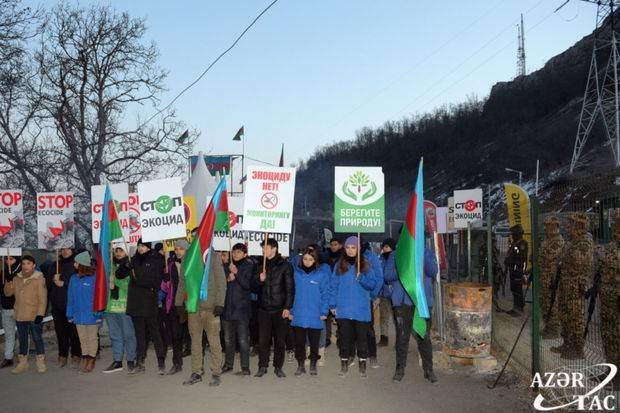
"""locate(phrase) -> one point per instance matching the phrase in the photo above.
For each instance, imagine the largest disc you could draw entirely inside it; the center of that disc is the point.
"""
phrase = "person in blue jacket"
(403, 309)
(385, 299)
(350, 294)
(377, 270)
(310, 308)
(80, 299)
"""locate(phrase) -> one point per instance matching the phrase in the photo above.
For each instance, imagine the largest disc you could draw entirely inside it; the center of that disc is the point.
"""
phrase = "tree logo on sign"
(163, 204)
(359, 187)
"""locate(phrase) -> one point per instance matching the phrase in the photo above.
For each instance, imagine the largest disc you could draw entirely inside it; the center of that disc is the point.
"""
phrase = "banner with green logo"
(162, 214)
(359, 199)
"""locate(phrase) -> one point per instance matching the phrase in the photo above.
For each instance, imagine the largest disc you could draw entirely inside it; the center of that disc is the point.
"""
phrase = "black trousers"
(403, 315)
(236, 332)
(372, 338)
(271, 324)
(66, 335)
(516, 287)
(314, 336)
(142, 325)
(172, 334)
(353, 334)
(290, 340)
(254, 323)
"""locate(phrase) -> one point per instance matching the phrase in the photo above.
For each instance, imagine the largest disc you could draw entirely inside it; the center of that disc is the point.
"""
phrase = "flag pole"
(359, 253)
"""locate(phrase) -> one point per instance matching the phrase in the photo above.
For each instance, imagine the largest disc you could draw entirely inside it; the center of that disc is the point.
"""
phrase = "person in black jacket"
(276, 290)
(516, 264)
(236, 317)
(57, 288)
(12, 265)
(146, 277)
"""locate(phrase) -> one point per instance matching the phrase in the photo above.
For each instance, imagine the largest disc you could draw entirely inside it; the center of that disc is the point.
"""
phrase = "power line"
(211, 65)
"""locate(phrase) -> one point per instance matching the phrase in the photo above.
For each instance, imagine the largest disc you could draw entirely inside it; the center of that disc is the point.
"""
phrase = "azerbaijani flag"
(110, 230)
(410, 256)
(198, 258)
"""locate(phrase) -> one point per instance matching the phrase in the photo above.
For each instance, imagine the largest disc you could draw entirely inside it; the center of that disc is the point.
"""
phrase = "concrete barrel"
(467, 309)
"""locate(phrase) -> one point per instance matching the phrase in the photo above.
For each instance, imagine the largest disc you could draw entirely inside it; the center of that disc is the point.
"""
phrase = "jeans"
(271, 324)
(66, 334)
(313, 335)
(236, 331)
(122, 336)
(403, 315)
(141, 325)
(172, 334)
(352, 334)
(36, 330)
(8, 323)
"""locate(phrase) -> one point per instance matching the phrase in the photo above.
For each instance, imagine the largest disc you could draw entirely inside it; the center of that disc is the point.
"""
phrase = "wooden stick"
(359, 253)
(264, 256)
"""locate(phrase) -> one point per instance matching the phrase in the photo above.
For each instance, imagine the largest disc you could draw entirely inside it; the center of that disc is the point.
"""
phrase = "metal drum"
(467, 308)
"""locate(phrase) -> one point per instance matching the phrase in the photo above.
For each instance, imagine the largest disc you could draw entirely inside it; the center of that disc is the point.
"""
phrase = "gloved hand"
(218, 311)
(38, 319)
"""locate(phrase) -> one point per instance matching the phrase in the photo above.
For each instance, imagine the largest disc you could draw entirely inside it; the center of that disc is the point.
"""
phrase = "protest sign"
(162, 214)
(11, 218)
(120, 195)
(359, 201)
(55, 220)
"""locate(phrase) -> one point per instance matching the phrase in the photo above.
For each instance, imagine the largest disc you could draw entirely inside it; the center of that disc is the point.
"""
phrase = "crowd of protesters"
(267, 305)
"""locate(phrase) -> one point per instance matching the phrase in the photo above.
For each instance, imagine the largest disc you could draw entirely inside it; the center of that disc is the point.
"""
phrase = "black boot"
(161, 365)
(362, 368)
(261, 372)
(193, 379)
(215, 381)
(383, 342)
(430, 376)
(344, 367)
(300, 368)
(313, 371)
(399, 373)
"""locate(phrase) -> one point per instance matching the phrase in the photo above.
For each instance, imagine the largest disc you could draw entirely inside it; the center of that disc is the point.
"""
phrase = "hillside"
(469, 144)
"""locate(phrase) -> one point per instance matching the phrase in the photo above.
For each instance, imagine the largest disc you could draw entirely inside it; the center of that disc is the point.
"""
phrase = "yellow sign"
(518, 204)
(189, 203)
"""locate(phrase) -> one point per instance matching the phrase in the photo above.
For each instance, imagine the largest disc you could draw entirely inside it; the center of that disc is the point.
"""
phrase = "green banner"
(359, 199)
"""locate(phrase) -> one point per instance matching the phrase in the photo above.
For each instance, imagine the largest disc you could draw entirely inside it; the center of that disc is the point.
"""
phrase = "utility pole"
(601, 95)
(521, 70)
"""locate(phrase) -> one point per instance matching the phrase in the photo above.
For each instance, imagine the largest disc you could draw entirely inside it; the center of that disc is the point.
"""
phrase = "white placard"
(162, 215)
(134, 219)
(442, 220)
(55, 220)
(468, 208)
(120, 193)
(269, 198)
(11, 218)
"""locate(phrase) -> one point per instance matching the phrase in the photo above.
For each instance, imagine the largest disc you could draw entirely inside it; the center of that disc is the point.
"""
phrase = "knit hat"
(146, 244)
(83, 259)
(352, 240)
(181, 243)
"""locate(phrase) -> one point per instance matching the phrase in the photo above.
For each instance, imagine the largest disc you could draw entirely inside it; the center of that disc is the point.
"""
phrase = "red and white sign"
(120, 195)
(430, 217)
(269, 196)
(467, 208)
(55, 220)
(134, 219)
(11, 218)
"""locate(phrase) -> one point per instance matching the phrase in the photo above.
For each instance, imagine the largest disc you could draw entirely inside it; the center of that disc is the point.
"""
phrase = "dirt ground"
(66, 390)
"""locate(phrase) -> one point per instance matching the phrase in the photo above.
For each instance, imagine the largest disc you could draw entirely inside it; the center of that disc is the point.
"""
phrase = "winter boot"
(40, 362)
(321, 362)
(301, 369)
(91, 365)
(313, 371)
(75, 362)
(362, 368)
(22, 365)
(399, 373)
(430, 376)
(383, 342)
(344, 367)
(62, 361)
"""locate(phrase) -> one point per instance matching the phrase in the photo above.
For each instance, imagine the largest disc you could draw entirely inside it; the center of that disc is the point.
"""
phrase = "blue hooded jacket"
(311, 297)
(377, 272)
(80, 299)
(351, 296)
(399, 295)
(389, 273)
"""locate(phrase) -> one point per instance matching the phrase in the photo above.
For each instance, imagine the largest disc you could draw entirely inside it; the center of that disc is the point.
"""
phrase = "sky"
(311, 73)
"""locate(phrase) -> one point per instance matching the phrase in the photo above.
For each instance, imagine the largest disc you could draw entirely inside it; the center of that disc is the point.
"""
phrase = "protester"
(147, 273)
(350, 294)
(332, 255)
(11, 267)
(120, 326)
(207, 319)
(57, 286)
(403, 314)
(374, 303)
(236, 316)
(276, 290)
(310, 308)
(28, 287)
(173, 309)
(385, 303)
(80, 299)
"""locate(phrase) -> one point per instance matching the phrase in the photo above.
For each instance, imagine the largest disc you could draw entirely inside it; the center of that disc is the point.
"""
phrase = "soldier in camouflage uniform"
(610, 295)
(576, 270)
(549, 260)
(516, 263)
